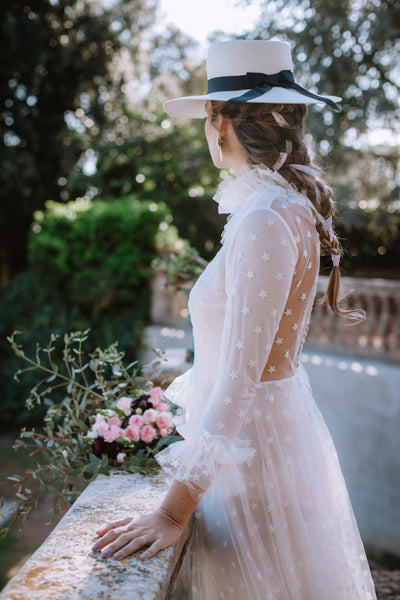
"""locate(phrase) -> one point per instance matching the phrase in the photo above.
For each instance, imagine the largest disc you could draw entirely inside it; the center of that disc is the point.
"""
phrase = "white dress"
(274, 521)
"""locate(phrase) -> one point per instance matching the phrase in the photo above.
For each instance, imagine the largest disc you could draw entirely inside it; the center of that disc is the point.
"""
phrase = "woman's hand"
(121, 538)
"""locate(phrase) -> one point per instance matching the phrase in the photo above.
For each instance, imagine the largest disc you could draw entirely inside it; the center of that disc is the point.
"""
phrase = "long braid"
(272, 134)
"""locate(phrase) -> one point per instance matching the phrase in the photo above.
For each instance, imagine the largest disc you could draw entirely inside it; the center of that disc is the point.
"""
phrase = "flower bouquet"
(131, 425)
(100, 415)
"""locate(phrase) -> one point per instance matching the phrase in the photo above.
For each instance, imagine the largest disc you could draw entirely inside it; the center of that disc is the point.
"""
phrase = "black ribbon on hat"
(259, 83)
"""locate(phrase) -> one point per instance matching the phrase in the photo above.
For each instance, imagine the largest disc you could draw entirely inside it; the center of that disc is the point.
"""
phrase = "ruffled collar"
(233, 190)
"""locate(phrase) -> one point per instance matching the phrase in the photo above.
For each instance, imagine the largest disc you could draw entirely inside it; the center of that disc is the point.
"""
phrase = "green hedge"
(90, 268)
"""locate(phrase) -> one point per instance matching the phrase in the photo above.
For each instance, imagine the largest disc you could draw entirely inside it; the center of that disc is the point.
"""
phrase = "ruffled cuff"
(201, 457)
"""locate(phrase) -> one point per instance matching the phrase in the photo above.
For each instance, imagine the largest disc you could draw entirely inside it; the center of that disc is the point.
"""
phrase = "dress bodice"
(256, 295)
(250, 311)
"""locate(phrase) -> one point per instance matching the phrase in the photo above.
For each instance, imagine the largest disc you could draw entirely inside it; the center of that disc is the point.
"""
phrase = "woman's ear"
(222, 124)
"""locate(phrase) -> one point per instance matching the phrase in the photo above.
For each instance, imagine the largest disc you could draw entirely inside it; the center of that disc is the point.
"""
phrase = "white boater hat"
(248, 71)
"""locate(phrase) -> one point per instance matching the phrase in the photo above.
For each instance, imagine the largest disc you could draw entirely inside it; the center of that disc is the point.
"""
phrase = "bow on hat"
(260, 83)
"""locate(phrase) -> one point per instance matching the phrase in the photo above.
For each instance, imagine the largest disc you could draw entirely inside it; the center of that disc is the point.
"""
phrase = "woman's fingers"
(152, 551)
(125, 545)
(111, 535)
(113, 525)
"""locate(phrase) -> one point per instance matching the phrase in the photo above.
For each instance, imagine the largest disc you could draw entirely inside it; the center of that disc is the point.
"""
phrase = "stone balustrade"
(376, 337)
(64, 568)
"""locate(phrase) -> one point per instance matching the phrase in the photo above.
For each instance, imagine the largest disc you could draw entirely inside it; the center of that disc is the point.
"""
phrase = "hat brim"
(194, 107)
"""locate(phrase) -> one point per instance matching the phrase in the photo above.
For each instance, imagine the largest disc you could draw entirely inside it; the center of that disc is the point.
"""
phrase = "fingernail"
(143, 556)
(105, 554)
(95, 548)
(118, 555)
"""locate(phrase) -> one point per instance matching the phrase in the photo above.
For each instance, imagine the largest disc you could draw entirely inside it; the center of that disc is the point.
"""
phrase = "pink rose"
(164, 432)
(114, 433)
(162, 406)
(155, 394)
(150, 415)
(120, 457)
(100, 418)
(124, 404)
(114, 421)
(101, 427)
(132, 433)
(148, 434)
(164, 420)
(136, 421)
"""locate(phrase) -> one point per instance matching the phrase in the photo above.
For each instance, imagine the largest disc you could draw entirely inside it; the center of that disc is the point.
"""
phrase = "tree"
(56, 85)
(351, 49)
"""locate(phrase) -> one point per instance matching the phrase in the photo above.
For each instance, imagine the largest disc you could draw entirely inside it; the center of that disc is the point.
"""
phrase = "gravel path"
(387, 583)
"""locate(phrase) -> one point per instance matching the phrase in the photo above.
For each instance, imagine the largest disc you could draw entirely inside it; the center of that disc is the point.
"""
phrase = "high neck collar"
(233, 190)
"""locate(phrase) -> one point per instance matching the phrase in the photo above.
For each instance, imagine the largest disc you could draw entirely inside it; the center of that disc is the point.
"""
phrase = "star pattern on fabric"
(251, 307)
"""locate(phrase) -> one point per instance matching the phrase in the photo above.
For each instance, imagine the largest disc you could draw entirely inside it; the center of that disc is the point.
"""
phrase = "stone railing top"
(364, 285)
(64, 568)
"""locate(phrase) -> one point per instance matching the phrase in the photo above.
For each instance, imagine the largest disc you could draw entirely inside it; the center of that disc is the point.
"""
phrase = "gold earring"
(219, 146)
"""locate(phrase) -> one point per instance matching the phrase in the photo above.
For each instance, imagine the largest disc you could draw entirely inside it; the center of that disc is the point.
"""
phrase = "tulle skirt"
(289, 532)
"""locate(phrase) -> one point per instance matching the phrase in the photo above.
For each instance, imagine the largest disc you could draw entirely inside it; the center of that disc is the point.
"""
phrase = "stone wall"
(64, 568)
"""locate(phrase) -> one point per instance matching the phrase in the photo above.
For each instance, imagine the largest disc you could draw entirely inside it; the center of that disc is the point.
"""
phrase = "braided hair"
(272, 134)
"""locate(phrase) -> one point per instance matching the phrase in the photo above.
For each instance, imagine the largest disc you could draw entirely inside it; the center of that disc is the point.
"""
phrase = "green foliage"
(90, 382)
(91, 264)
(56, 84)
(350, 49)
(160, 159)
(97, 254)
(181, 267)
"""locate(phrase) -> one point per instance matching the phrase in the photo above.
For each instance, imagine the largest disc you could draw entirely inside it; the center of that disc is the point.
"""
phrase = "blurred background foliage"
(92, 169)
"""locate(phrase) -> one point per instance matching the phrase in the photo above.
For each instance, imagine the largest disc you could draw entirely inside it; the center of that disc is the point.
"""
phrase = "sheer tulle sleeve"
(260, 263)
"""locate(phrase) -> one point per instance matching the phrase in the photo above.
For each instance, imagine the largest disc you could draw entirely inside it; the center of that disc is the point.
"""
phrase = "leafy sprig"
(74, 385)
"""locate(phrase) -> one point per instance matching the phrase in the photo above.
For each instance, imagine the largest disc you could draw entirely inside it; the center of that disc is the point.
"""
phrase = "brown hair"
(267, 130)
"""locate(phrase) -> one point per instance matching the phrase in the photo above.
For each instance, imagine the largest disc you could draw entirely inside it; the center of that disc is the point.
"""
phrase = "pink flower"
(136, 421)
(120, 457)
(148, 434)
(150, 415)
(114, 433)
(100, 418)
(164, 420)
(164, 432)
(124, 404)
(132, 433)
(114, 421)
(155, 395)
(101, 427)
(162, 406)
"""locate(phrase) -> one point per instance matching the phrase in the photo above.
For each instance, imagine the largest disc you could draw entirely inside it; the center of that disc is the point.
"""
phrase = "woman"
(273, 517)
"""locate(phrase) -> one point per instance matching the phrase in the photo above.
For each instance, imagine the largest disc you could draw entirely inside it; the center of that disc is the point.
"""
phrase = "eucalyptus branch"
(69, 450)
